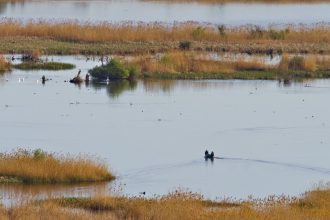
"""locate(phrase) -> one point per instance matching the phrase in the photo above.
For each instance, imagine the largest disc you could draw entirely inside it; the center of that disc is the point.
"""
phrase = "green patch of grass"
(114, 70)
(44, 66)
(244, 75)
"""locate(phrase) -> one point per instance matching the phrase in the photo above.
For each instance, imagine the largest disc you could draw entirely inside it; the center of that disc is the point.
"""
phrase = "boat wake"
(284, 164)
(151, 170)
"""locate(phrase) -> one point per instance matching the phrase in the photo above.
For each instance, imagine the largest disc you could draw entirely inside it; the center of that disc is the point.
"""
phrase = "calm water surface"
(273, 138)
(149, 11)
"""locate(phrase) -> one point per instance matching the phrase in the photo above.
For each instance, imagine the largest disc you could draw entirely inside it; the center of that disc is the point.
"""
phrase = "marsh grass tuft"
(44, 66)
(41, 167)
(114, 70)
(4, 65)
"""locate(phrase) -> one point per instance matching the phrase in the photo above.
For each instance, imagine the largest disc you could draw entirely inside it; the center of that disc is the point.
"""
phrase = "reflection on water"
(114, 88)
(152, 11)
(158, 86)
(16, 193)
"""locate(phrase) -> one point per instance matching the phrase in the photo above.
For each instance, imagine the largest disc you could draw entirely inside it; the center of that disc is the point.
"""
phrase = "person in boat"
(209, 155)
(43, 79)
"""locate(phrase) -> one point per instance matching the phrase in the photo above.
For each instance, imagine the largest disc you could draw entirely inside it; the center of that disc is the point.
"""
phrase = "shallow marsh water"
(151, 11)
(273, 138)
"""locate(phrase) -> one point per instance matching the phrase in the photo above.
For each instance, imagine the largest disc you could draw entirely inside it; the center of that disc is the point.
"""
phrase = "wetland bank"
(184, 67)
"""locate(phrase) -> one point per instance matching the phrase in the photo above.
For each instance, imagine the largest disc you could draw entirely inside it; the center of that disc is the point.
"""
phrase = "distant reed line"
(157, 32)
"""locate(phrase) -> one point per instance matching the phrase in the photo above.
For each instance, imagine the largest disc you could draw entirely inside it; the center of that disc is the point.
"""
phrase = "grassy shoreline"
(144, 38)
(177, 205)
(4, 65)
(38, 167)
(189, 65)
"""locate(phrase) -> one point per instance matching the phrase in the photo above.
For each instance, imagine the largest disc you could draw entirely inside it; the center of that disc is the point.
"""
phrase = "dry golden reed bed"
(24, 166)
(315, 205)
(70, 37)
(190, 62)
(89, 32)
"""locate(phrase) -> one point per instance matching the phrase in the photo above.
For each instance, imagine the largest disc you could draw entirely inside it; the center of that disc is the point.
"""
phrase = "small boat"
(209, 155)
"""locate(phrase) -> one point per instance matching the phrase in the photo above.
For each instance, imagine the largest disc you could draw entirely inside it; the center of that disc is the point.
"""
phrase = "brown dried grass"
(39, 167)
(140, 32)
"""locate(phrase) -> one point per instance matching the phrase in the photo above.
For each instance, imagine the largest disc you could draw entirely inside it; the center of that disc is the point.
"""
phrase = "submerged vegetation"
(177, 205)
(138, 38)
(44, 66)
(37, 166)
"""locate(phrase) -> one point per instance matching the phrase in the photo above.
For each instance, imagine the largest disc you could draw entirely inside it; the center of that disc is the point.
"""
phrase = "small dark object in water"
(143, 193)
(77, 79)
(43, 79)
(209, 156)
(87, 78)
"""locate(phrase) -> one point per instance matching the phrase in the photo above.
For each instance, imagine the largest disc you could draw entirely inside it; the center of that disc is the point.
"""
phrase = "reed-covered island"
(144, 38)
(39, 167)
(178, 205)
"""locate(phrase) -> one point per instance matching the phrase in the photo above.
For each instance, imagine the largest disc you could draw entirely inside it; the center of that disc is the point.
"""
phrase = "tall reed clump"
(4, 65)
(300, 63)
(39, 167)
(323, 63)
(114, 70)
